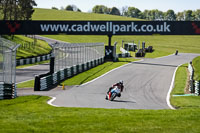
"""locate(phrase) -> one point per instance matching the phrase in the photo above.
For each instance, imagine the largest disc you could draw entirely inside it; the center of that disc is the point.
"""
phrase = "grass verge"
(183, 102)
(196, 65)
(28, 65)
(26, 84)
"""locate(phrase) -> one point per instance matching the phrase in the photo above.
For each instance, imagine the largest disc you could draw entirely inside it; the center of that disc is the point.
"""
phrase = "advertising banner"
(100, 27)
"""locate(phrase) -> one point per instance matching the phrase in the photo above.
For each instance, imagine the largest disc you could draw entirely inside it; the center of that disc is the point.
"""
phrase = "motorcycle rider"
(119, 86)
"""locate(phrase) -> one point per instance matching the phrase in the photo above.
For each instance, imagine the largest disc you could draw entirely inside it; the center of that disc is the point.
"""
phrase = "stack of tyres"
(140, 53)
(149, 49)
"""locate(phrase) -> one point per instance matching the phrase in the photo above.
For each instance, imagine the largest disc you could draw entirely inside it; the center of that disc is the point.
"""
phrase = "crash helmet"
(121, 81)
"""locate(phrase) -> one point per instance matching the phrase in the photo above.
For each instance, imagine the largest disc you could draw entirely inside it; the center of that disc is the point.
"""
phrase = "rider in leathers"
(119, 85)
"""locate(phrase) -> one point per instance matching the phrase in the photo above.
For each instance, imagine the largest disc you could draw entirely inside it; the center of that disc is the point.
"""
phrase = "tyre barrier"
(49, 81)
(197, 88)
(194, 86)
(140, 53)
(33, 60)
(7, 91)
(149, 49)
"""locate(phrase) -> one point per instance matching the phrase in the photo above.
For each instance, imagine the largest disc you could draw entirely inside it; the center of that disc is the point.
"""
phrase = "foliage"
(133, 12)
(115, 11)
(55, 8)
(72, 8)
(48, 14)
(17, 9)
(170, 15)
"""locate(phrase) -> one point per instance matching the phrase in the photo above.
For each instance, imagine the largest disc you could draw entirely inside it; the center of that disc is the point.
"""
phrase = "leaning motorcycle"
(114, 93)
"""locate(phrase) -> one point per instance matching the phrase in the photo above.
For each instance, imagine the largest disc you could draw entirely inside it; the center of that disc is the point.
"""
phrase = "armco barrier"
(48, 81)
(33, 60)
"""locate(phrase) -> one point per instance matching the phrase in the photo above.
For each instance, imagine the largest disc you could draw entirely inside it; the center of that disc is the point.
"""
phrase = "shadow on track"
(123, 101)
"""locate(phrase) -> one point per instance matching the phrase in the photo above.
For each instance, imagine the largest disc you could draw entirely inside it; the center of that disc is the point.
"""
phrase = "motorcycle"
(113, 93)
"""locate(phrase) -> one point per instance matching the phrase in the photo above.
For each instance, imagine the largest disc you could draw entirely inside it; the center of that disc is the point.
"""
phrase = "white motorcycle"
(113, 93)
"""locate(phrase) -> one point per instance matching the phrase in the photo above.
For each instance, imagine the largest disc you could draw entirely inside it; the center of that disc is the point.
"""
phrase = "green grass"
(181, 80)
(32, 114)
(196, 65)
(183, 102)
(41, 47)
(28, 65)
(49, 14)
(163, 45)
(27, 84)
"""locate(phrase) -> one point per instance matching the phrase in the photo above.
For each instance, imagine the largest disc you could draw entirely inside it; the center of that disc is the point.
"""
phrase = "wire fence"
(7, 61)
(70, 54)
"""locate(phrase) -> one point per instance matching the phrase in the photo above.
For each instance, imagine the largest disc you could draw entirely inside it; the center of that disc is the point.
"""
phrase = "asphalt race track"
(146, 83)
(29, 73)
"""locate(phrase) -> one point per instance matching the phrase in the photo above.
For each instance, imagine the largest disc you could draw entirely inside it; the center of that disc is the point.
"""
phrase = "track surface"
(146, 86)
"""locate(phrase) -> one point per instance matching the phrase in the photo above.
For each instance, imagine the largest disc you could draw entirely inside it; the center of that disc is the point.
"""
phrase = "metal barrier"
(49, 81)
(7, 69)
(70, 60)
(70, 54)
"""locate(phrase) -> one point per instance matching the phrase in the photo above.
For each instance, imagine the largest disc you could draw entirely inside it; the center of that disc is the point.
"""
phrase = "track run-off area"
(147, 86)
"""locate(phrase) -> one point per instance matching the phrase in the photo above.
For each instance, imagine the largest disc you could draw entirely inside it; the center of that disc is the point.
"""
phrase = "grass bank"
(196, 65)
(29, 50)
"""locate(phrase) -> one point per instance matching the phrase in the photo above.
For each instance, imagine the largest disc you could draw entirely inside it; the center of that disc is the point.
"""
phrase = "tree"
(170, 15)
(26, 8)
(101, 9)
(189, 15)
(180, 16)
(197, 15)
(124, 10)
(17, 9)
(72, 8)
(69, 8)
(133, 12)
(55, 8)
(115, 11)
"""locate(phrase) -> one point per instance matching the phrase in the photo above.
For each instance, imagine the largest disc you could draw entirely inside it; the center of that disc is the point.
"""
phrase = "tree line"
(153, 15)
(170, 15)
(16, 9)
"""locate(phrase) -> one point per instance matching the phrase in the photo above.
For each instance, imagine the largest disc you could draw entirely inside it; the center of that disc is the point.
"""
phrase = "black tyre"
(113, 96)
